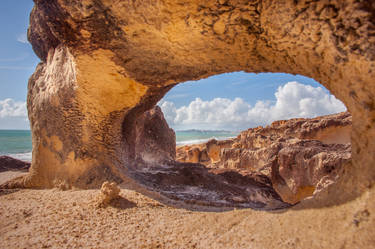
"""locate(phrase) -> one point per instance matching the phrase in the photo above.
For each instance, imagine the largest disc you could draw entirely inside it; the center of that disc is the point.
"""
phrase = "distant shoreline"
(17, 143)
(199, 141)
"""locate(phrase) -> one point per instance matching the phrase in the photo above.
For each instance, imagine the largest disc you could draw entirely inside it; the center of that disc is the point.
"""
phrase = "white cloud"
(22, 38)
(169, 111)
(292, 100)
(13, 114)
(11, 108)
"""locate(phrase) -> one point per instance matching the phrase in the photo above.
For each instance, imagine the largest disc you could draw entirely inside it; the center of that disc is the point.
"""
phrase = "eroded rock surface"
(156, 169)
(198, 185)
(104, 63)
(288, 152)
(155, 141)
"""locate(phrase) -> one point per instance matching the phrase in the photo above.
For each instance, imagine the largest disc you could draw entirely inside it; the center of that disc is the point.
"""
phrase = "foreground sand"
(70, 219)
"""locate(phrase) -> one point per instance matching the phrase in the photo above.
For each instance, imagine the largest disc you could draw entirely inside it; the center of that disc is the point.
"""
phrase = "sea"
(17, 143)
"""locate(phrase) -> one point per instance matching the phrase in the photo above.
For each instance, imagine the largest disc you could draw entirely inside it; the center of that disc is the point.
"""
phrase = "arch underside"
(104, 63)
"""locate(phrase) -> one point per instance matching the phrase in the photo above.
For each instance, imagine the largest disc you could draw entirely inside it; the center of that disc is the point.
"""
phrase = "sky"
(17, 63)
(231, 101)
(256, 106)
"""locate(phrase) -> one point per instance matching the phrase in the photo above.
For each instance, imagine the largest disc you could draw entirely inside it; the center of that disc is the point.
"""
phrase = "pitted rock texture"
(156, 169)
(329, 129)
(205, 153)
(306, 167)
(292, 165)
(287, 152)
(104, 63)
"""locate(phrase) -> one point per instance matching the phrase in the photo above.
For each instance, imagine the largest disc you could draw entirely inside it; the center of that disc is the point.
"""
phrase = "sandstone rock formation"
(108, 193)
(154, 166)
(288, 152)
(155, 141)
(218, 189)
(10, 163)
(104, 63)
(306, 167)
(329, 129)
(205, 153)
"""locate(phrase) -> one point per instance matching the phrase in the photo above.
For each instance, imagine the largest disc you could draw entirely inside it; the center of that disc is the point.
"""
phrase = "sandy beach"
(53, 218)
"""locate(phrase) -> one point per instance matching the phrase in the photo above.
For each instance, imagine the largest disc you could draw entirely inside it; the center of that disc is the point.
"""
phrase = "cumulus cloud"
(292, 100)
(13, 114)
(11, 108)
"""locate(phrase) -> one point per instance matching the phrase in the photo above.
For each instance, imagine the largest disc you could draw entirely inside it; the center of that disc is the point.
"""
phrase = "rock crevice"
(300, 157)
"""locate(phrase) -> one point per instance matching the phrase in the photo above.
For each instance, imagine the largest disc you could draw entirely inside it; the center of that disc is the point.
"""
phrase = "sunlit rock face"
(299, 156)
(104, 63)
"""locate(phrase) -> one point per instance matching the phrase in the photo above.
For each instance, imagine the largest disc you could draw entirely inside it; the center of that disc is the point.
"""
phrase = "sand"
(70, 219)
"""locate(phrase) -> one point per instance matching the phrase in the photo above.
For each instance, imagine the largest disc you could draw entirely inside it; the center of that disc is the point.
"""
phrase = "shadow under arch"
(99, 68)
(210, 188)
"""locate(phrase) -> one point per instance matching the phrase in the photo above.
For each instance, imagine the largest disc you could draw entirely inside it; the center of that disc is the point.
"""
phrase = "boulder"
(108, 193)
(306, 167)
(9, 163)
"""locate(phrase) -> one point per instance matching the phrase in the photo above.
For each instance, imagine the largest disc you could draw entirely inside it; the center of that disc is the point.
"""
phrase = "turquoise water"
(17, 143)
(199, 136)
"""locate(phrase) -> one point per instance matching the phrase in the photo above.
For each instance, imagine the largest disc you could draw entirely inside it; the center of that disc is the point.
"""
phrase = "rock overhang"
(104, 63)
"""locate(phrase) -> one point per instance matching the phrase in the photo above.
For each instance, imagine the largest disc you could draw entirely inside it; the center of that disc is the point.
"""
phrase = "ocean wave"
(22, 156)
(199, 141)
(27, 156)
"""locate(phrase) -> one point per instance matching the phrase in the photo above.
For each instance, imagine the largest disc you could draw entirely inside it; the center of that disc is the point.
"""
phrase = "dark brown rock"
(217, 188)
(155, 141)
(9, 163)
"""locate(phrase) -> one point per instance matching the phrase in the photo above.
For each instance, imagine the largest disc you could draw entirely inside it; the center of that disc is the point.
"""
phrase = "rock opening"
(99, 68)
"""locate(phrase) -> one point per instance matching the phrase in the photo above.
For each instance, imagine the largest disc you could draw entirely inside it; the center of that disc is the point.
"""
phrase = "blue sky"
(250, 87)
(17, 60)
(228, 101)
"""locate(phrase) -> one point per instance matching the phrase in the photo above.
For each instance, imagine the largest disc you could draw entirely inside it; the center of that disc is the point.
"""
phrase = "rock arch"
(104, 63)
